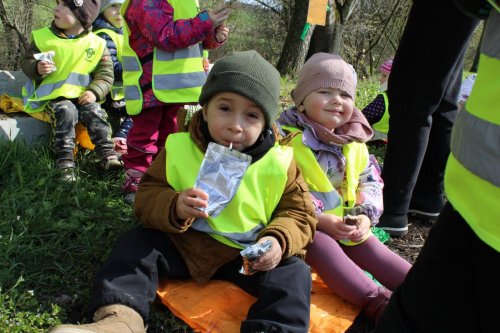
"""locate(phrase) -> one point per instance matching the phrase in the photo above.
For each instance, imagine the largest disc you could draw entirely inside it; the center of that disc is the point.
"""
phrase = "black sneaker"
(394, 224)
(426, 209)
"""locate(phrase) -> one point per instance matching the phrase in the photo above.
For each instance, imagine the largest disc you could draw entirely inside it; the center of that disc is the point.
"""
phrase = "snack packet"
(46, 56)
(252, 253)
(350, 219)
(220, 176)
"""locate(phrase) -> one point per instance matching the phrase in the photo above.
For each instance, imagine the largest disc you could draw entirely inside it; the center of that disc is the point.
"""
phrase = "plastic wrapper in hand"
(46, 56)
(252, 253)
(220, 176)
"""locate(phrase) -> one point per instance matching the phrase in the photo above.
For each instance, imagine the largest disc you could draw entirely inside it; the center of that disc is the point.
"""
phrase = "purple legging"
(342, 267)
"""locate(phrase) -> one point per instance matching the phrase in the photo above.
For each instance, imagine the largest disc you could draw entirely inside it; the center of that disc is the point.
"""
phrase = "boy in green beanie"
(179, 240)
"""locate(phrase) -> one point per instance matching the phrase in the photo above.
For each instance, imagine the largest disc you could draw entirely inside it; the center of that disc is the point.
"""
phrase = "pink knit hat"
(386, 66)
(324, 70)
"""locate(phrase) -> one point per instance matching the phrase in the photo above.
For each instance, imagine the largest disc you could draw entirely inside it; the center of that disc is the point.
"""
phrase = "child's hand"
(363, 225)
(218, 15)
(221, 33)
(44, 67)
(86, 98)
(271, 259)
(334, 226)
(188, 202)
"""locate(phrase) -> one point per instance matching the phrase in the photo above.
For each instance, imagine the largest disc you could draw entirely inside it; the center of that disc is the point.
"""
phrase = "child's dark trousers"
(142, 256)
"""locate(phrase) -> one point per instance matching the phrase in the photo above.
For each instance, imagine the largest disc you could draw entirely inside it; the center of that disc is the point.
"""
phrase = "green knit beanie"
(248, 74)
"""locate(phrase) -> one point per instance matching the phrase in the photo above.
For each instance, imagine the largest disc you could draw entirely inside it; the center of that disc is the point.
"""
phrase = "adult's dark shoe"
(394, 224)
(426, 209)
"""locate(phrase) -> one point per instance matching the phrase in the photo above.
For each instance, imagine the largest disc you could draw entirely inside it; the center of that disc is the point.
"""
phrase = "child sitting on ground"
(70, 85)
(377, 112)
(108, 26)
(328, 135)
(179, 240)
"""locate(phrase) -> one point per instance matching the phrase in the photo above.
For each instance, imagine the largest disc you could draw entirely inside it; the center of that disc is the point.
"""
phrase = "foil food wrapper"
(46, 56)
(252, 253)
(220, 176)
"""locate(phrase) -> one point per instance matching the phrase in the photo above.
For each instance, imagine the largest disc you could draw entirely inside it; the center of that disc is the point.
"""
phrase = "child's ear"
(301, 108)
(204, 112)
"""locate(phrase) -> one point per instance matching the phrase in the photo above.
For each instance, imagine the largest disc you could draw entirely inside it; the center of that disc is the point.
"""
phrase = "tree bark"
(328, 39)
(20, 25)
(294, 48)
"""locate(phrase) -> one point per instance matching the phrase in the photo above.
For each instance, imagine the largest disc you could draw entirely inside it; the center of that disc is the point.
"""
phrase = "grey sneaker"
(128, 198)
(112, 163)
(68, 175)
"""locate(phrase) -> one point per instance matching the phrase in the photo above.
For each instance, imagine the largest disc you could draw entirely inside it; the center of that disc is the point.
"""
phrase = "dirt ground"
(407, 246)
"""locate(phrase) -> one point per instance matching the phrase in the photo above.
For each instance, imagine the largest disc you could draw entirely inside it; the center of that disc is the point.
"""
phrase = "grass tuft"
(54, 236)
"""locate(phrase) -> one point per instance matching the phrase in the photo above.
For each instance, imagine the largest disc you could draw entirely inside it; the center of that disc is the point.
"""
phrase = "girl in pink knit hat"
(328, 135)
(377, 112)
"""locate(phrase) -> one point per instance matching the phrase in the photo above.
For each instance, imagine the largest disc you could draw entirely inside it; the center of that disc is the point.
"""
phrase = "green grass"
(54, 236)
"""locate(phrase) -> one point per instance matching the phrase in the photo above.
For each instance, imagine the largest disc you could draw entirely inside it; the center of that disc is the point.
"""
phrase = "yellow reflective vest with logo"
(356, 155)
(177, 76)
(381, 128)
(75, 60)
(117, 89)
(472, 178)
(258, 195)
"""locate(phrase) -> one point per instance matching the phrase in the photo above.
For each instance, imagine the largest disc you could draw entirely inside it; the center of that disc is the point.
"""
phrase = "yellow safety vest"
(177, 76)
(117, 89)
(381, 128)
(251, 209)
(75, 60)
(472, 181)
(356, 155)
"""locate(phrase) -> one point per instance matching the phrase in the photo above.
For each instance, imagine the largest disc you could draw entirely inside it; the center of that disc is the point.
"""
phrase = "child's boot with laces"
(376, 306)
(129, 187)
(115, 318)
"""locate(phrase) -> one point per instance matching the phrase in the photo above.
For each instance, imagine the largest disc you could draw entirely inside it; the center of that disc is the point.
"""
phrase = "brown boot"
(115, 318)
(376, 306)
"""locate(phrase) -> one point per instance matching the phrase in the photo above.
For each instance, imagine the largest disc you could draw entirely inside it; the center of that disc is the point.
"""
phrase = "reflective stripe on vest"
(75, 60)
(177, 76)
(356, 155)
(319, 185)
(472, 181)
(381, 128)
(117, 89)
(255, 200)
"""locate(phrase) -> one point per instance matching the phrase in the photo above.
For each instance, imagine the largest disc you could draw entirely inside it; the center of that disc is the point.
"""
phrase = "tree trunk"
(475, 62)
(17, 28)
(294, 48)
(328, 39)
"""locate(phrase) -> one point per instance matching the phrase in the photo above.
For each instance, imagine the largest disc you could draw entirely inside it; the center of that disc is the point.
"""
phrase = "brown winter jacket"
(102, 76)
(293, 222)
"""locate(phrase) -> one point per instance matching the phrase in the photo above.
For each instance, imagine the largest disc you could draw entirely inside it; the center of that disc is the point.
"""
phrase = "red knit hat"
(386, 66)
(85, 11)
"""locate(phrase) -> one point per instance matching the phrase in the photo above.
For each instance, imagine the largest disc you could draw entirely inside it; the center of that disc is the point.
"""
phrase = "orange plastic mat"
(220, 306)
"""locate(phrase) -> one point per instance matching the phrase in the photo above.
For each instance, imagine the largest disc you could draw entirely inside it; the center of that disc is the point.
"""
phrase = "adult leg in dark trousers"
(450, 287)
(423, 89)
